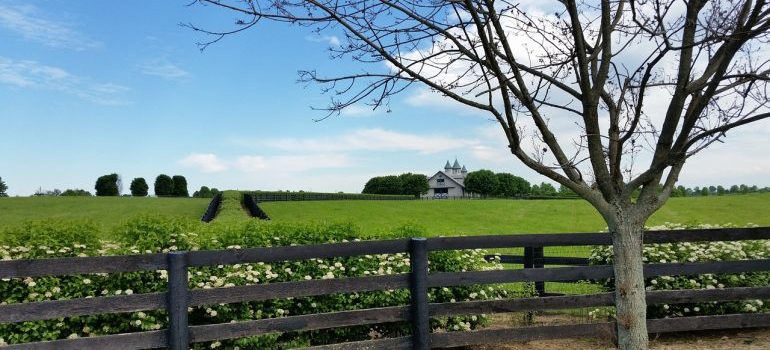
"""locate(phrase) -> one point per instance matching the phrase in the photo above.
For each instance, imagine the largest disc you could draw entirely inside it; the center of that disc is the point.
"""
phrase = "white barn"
(448, 183)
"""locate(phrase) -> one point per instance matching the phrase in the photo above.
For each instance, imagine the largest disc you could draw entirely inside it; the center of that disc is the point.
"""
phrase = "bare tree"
(622, 82)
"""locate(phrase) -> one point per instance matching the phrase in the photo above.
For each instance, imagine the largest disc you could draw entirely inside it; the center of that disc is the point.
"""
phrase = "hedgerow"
(696, 252)
(152, 234)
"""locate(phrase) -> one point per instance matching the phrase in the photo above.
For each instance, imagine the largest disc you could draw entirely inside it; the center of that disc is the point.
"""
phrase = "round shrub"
(698, 252)
(139, 187)
(107, 185)
(151, 234)
(179, 188)
(164, 186)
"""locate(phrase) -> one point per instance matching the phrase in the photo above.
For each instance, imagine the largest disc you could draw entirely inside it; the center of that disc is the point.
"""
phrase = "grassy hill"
(470, 217)
(106, 211)
(436, 217)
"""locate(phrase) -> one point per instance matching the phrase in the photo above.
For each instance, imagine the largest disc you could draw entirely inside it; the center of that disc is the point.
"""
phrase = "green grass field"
(105, 211)
(435, 217)
(474, 217)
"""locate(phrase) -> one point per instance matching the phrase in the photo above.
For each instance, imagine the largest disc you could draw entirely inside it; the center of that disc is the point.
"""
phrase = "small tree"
(483, 182)
(510, 185)
(204, 192)
(76, 193)
(107, 185)
(3, 188)
(179, 187)
(139, 187)
(164, 186)
(413, 184)
(547, 189)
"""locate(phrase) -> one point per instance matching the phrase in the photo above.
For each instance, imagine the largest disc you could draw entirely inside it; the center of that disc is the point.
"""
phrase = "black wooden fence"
(314, 196)
(251, 206)
(213, 208)
(179, 297)
(534, 258)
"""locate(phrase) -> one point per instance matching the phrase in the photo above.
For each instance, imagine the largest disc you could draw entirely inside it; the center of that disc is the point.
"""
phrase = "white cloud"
(742, 158)
(282, 164)
(291, 163)
(375, 139)
(332, 40)
(163, 68)
(30, 24)
(31, 74)
(358, 111)
(205, 162)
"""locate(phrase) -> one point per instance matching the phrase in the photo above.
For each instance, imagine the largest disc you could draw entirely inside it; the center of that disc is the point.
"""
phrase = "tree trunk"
(630, 300)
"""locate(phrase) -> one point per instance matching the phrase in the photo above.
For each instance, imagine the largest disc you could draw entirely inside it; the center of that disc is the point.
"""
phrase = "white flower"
(129, 292)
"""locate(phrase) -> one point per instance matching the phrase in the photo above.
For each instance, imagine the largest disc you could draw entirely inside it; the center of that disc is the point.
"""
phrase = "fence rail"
(179, 297)
(313, 196)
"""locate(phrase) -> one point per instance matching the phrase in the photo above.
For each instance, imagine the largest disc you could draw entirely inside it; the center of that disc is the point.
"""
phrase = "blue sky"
(87, 90)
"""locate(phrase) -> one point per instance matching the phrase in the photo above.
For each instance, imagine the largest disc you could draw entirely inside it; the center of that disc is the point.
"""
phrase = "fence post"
(418, 290)
(177, 298)
(533, 258)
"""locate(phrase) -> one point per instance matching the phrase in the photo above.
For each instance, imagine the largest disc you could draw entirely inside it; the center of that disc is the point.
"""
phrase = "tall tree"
(180, 186)
(139, 187)
(662, 78)
(510, 185)
(164, 186)
(3, 188)
(414, 184)
(107, 185)
(483, 182)
(390, 184)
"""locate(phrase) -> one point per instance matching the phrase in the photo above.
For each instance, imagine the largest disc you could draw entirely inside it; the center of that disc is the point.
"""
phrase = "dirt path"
(758, 339)
(746, 339)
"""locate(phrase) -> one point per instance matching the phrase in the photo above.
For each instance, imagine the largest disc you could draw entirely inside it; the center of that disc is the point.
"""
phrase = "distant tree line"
(111, 185)
(165, 186)
(404, 184)
(681, 191)
(205, 192)
(489, 184)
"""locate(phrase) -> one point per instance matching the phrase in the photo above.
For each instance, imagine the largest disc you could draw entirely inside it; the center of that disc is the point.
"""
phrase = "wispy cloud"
(284, 164)
(29, 23)
(163, 68)
(31, 74)
(205, 162)
(375, 139)
(292, 163)
(329, 39)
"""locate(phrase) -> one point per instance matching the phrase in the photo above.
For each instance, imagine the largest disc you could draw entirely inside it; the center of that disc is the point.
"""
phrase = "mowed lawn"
(105, 211)
(474, 217)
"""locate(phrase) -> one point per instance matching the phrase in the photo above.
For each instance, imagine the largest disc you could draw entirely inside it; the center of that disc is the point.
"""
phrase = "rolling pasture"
(476, 217)
(433, 217)
(104, 211)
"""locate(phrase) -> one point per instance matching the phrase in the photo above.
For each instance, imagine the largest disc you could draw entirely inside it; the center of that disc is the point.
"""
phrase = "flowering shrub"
(697, 252)
(155, 234)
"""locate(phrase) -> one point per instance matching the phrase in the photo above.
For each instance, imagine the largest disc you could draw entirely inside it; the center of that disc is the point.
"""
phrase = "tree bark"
(631, 306)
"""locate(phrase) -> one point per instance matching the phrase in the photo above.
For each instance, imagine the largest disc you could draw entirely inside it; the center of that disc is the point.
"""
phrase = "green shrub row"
(151, 234)
(697, 252)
